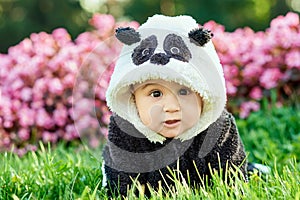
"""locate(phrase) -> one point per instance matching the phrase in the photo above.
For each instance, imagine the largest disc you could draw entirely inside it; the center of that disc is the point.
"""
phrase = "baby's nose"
(171, 104)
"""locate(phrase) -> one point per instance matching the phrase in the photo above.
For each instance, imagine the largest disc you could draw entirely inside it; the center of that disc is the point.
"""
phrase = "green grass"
(59, 174)
(270, 137)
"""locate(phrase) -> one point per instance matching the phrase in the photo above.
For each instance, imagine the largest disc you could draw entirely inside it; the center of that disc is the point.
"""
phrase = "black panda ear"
(200, 36)
(127, 35)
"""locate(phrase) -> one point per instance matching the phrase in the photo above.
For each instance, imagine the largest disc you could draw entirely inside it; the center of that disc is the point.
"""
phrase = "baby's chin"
(172, 131)
(170, 134)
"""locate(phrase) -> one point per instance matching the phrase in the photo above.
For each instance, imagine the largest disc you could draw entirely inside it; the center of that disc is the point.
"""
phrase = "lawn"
(74, 172)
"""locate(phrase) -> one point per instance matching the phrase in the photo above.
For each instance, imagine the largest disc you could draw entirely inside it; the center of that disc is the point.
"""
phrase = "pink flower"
(60, 115)
(25, 46)
(81, 107)
(270, 78)
(102, 22)
(83, 123)
(24, 134)
(43, 119)
(5, 141)
(247, 107)
(70, 66)
(94, 142)
(68, 80)
(8, 124)
(17, 84)
(49, 137)
(71, 133)
(105, 118)
(20, 152)
(292, 58)
(31, 148)
(44, 44)
(26, 94)
(16, 105)
(230, 71)
(55, 63)
(85, 41)
(19, 54)
(291, 19)
(39, 89)
(104, 131)
(106, 114)
(6, 62)
(71, 129)
(55, 86)
(256, 93)
(61, 36)
(26, 117)
(231, 89)
(251, 72)
(37, 104)
(212, 25)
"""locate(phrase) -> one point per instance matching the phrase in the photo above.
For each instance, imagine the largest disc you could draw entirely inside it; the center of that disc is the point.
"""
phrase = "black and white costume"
(220, 141)
(173, 49)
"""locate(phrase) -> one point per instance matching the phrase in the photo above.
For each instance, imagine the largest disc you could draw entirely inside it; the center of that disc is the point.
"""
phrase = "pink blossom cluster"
(256, 62)
(53, 88)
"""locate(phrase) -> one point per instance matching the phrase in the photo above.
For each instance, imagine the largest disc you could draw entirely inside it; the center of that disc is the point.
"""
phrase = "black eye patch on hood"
(145, 50)
(175, 47)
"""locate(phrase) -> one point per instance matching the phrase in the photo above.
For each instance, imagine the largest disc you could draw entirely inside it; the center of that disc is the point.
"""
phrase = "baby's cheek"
(192, 114)
(154, 117)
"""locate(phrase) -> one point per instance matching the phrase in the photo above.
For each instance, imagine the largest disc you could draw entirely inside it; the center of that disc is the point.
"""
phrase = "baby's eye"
(156, 93)
(184, 91)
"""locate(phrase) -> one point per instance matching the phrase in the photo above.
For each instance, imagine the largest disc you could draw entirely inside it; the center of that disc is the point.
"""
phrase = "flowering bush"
(53, 88)
(50, 89)
(256, 62)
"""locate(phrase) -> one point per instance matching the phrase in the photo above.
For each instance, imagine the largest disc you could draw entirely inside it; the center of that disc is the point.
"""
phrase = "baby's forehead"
(158, 82)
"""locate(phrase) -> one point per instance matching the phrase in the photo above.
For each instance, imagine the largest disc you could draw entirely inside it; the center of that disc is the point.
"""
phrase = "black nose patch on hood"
(160, 59)
(173, 46)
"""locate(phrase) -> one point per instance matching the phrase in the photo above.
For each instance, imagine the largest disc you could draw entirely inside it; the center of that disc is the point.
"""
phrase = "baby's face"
(166, 107)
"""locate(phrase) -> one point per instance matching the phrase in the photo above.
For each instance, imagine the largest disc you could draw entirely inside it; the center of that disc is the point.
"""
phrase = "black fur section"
(222, 135)
(145, 50)
(200, 36)
(230, 149)
(127, 35)
(176, 48)
(160, 59)
(125, 136)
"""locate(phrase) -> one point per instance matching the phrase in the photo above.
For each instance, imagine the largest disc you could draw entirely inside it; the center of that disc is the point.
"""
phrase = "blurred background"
(20, 18)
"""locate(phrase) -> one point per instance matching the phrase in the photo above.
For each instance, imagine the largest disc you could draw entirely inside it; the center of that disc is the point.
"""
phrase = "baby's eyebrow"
(142, 87)
(148, 85)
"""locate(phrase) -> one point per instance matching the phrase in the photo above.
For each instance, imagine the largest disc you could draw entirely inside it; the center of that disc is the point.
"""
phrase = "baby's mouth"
(172, 123)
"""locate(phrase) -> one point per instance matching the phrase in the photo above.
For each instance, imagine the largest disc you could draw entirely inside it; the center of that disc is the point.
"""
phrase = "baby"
(168, 96)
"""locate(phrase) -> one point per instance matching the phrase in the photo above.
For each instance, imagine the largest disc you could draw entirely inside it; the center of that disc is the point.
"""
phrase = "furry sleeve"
(229, 149)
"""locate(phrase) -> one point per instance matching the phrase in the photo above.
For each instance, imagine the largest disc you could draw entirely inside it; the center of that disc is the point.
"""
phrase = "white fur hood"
(173, 49)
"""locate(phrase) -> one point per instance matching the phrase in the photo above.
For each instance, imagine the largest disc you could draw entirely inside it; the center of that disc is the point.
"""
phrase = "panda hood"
(173, 49)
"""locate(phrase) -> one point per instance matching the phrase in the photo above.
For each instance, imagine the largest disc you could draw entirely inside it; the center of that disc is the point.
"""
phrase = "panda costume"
(172, 49)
